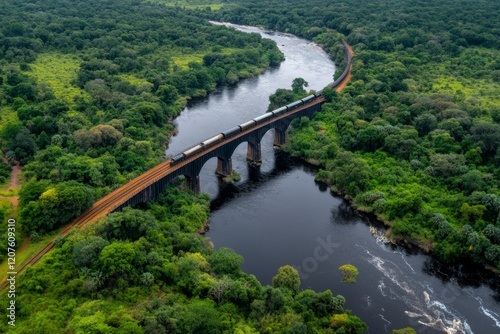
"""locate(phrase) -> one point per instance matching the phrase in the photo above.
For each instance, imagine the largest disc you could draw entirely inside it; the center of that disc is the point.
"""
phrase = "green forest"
(88, 92)
(415, 137)
(145, 271)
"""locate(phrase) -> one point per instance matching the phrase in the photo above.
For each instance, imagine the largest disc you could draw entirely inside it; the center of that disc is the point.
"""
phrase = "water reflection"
(466, 276)
(344, 214)
(281, 220)
(255, 178)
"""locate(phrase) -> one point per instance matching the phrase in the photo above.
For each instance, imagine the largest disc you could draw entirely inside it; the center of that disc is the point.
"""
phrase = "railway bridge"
(190, 167)
(153, 182)
(150, 184)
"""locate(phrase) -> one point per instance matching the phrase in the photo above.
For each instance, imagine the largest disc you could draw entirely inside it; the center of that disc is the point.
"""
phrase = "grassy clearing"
(211, 6)
(192, 4)
(452, 85)
(23, 253)
(7, 116)
(183, 60)
(462, 84)
(133, 80)
(5, 205)
(486, 93)
(58, 71)
(7, 192)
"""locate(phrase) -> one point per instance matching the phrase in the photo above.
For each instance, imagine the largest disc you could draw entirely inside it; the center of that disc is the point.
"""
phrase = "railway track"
(100, 208)
(119, 196)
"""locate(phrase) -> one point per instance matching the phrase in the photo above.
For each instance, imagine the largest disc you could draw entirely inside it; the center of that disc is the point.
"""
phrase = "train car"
(294, 105)
(231, 132)
(279, 111)
(212, 141)
(318, 93)
(263, 118)
(308, 98)
(178, 158)
(193, 150)
(247, 125)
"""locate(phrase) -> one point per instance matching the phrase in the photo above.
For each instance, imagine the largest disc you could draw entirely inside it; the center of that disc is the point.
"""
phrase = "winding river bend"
(278, 215)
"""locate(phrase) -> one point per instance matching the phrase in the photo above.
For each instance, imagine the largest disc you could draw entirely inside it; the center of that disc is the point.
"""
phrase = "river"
(278, 215)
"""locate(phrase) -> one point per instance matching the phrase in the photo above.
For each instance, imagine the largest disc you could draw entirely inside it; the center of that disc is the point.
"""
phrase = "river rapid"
(278, 215)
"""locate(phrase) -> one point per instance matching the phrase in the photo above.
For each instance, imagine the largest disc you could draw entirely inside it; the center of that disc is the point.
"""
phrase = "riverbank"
(403, 240)
(139, 152)
(281, 216)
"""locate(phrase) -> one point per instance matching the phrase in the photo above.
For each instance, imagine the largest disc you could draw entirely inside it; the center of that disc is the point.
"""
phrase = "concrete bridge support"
(279, 137)
(224, 166)
(193, 183)
(254, 152)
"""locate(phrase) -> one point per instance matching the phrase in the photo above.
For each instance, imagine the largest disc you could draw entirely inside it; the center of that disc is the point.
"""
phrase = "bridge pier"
(224, 166)
(193, 183)
(279, 137)
(254, 153)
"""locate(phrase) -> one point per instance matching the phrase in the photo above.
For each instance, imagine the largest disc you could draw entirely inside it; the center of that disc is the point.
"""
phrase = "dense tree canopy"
(87, 92)
(88, 89)
(415, 135)
(140, 271)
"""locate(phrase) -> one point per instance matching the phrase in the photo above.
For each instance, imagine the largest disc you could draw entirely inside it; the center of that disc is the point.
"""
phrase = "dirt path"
(26, 243)
(12, 199)
(14, 183)
(14, 180)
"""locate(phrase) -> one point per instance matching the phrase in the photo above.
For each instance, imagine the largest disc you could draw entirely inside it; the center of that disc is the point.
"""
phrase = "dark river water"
(278, 215)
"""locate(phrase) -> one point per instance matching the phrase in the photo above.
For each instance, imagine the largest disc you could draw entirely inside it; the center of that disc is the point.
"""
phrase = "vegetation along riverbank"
(88, 90)
(415, 137)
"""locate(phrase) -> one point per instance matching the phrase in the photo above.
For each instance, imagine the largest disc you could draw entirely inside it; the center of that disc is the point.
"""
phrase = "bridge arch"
(253, 140)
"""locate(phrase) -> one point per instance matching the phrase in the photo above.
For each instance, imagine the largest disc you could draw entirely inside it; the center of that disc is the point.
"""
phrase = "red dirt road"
(14, 183)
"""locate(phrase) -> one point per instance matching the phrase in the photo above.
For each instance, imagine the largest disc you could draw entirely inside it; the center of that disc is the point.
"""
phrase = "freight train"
(237, 129)
(260, 119)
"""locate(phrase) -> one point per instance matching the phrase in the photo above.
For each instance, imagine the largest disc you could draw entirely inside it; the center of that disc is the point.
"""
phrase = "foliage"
(419, 120)
(55, 206)
(287, 278)
(345, 323)
(57, 72)
(225, 261)
(283, 96)
(349, 273)
(406, 330)
(233, 177)
(88, 90)
(143, 272)
(4, 172)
